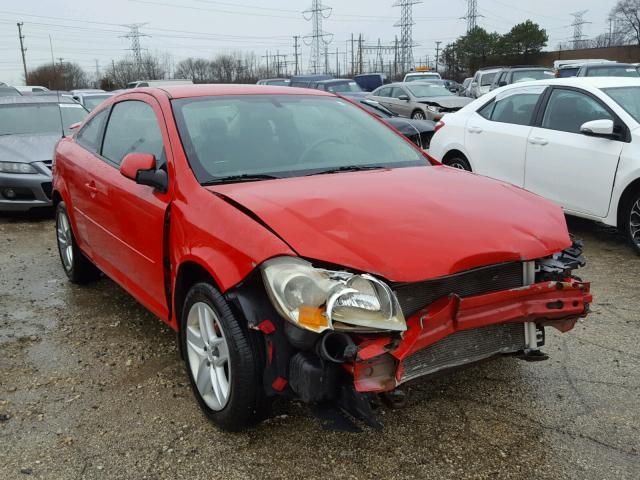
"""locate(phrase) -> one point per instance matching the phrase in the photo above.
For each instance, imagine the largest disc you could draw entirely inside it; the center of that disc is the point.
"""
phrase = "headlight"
(433, 109)
(16, 167)
(319, 300)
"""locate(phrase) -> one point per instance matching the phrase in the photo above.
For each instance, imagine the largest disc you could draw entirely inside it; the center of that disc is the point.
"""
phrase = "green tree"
(524, 39)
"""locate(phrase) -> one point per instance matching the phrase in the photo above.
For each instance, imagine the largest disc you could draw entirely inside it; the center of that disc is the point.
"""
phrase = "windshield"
(487, 78)
(528, 75)
(284, 136)
(344, 87)
(94, 100)
(612, 72)
(421, 76)
(277, 83)
(628, 98)
(40, 118)
(428, 90)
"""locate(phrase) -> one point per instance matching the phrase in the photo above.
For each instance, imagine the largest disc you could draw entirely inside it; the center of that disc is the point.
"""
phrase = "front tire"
(630, 221)
(418, 115)
(223, 360)
(458, 161)
(77, 267)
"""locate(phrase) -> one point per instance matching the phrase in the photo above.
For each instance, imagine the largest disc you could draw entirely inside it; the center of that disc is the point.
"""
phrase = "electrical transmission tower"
(406, 33)
(578, 22)
(318, 39)
(472, 15)
(134, 35)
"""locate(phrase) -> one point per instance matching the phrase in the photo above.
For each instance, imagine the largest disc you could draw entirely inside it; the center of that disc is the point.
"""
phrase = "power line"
(318, 37)
(406, 32)
(472, 15)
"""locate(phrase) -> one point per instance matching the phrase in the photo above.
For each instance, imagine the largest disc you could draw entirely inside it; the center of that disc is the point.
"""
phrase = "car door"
(131, 217)
(400, 107)
(78, 178)
(382, 96)
(496, 135)
(574, 170)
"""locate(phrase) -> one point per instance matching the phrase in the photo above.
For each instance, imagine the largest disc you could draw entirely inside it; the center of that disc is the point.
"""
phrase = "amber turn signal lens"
(312, 317)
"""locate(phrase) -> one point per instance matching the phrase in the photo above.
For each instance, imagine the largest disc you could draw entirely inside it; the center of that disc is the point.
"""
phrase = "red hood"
(405, 224)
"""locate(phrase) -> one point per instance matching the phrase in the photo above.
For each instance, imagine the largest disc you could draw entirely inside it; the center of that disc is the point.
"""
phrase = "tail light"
(438, 126)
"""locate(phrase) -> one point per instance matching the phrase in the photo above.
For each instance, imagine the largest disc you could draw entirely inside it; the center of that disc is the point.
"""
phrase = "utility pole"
(267, 57)
(22, 50)
(406, 32)
(353, 62)
(437, 54)
(318, 37)
(295, 46)
(337, 62)
(360, 59)
(97, 72)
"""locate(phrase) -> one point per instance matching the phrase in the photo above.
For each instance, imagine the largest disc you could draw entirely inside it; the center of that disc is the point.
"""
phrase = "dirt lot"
(91, 387)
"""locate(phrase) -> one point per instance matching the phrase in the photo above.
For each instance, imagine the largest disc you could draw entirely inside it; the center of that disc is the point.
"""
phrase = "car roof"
(34, 99)
(583, 82)
(336, 80)
(208, 90)
(608, 65)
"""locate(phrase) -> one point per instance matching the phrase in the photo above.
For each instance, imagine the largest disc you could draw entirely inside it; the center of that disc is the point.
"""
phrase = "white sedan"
(575, 141)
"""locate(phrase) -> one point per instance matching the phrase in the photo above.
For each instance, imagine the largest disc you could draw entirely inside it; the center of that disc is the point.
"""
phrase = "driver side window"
(132, 127)
(567, 110)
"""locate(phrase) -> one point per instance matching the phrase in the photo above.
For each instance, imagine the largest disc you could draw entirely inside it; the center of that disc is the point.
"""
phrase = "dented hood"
(404, 224)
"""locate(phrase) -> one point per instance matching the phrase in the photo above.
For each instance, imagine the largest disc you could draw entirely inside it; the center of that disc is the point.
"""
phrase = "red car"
(301, 247)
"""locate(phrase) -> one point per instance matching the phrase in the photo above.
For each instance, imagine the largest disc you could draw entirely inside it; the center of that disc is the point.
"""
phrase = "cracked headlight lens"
(318, 299)
(433, 109)
(16, 167)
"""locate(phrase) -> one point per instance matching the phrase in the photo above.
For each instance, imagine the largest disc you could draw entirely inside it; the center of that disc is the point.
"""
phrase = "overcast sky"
(84, 31)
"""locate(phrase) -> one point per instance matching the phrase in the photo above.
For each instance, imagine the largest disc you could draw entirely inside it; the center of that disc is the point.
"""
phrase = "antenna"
(406, 32)
(53, 66)
(318, 39)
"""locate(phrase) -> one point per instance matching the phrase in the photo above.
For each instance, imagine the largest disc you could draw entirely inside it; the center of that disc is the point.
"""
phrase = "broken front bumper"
(454, 331)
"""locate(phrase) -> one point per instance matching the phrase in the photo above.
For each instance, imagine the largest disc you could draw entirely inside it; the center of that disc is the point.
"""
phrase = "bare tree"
(627, 16)
(61, 76)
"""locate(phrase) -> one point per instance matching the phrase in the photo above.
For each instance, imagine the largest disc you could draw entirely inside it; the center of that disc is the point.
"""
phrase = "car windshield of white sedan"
(628, 98)
(34, 119)
(254, 137)
(529, 75)
(428, 90)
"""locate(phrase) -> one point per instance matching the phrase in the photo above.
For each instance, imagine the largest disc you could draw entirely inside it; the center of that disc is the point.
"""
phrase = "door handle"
(474, 130)
(538, 141)
(91, 186)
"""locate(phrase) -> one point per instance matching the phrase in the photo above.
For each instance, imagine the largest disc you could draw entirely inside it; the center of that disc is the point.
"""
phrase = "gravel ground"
(91, 387)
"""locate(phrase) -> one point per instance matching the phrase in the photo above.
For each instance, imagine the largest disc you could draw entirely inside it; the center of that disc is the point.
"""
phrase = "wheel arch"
(188, 274)
(629, 190)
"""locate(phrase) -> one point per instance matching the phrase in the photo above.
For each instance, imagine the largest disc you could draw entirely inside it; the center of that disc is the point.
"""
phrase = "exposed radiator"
(465, 347)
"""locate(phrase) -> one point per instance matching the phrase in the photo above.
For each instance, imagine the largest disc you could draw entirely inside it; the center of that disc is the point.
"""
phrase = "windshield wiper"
(349, 168)
(245, 177)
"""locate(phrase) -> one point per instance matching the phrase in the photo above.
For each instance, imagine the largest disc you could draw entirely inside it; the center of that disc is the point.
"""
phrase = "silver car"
(419, 100)
(91, 100)
(30, 127)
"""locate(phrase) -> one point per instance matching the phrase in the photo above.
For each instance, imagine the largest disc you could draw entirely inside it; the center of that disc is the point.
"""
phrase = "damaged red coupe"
(301, 247)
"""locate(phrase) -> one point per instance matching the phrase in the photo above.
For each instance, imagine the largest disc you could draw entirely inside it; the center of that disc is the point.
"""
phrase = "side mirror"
(404, 98)
(598, 128)
(141, 168)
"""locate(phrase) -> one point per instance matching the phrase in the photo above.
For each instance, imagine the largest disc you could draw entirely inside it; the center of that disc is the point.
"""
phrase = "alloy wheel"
(65, 240)
(634, 223)
(418, 116)
(208, 355)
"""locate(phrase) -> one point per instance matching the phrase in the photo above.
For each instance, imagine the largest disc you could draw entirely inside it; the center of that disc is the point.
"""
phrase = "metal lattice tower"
(578, 22)
(406, 23)
(134, 35)
(318, 39)
(472, 15)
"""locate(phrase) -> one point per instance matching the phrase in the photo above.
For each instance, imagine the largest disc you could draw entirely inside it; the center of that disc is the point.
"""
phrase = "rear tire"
(458, 161)
(77, 267)
(630, 221)
(224, 361)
